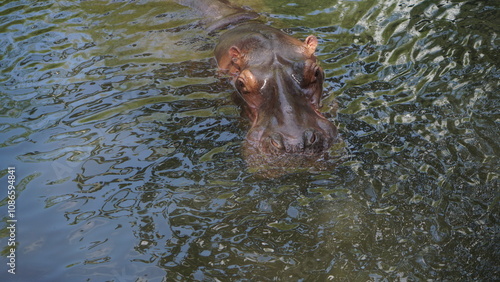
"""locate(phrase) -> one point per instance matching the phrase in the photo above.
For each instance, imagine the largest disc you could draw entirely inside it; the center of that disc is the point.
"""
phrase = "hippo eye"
(240, 85)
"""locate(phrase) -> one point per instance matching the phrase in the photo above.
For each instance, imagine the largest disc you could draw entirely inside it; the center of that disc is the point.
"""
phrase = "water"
(127, 148)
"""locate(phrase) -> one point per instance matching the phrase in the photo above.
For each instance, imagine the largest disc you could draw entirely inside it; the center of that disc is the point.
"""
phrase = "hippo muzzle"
(287, 121)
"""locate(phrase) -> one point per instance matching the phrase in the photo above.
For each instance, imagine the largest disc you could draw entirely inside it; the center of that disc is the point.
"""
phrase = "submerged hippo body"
(279, 87)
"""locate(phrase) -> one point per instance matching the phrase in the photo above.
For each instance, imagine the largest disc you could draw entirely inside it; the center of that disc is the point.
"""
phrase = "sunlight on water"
(128, 149)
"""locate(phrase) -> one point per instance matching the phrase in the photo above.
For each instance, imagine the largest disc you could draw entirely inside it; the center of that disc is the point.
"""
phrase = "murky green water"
(127, 158)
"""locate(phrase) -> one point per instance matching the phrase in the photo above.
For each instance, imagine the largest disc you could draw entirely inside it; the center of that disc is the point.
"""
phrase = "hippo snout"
(308, 142)
(305, 141)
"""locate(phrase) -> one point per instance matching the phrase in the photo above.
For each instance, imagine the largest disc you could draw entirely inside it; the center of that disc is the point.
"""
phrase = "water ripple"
(135, 146)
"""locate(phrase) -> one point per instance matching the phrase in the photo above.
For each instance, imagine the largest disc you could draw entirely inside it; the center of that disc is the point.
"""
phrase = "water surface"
(127, 147)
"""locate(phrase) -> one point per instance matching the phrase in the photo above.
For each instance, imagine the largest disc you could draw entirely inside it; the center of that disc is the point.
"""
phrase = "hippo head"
(279, 86)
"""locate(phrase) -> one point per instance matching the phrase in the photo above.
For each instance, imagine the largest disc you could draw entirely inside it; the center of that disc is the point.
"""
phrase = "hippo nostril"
(277, 141)
(310, 138)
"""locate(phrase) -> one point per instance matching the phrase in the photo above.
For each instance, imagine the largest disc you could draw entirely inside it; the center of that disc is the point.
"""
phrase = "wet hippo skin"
(279, 86)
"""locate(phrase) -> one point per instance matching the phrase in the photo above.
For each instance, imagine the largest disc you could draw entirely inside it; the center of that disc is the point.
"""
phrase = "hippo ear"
(235, 55)
(311, 43)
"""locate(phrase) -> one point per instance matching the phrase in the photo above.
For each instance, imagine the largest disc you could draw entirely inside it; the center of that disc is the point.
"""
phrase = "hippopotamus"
(279, 85)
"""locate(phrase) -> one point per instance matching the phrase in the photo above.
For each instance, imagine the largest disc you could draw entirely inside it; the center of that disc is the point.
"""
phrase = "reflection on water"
(128, 150)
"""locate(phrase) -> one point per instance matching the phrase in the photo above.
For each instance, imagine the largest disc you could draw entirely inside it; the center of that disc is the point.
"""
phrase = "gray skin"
(278, 80)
